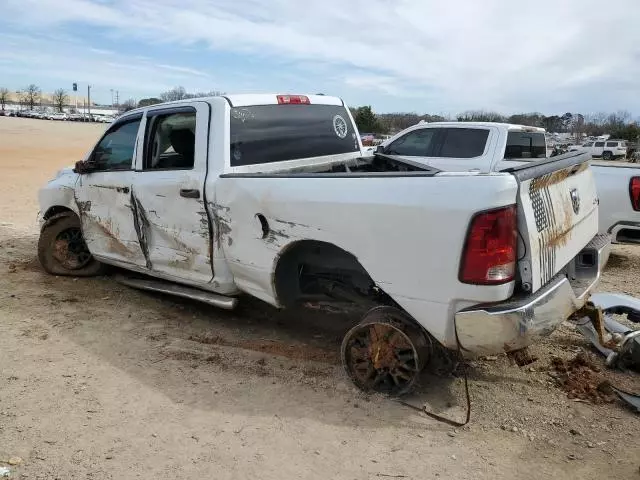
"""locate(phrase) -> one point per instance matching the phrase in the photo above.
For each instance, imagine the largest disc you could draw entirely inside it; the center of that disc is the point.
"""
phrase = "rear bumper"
(515, 324)
(626, 233)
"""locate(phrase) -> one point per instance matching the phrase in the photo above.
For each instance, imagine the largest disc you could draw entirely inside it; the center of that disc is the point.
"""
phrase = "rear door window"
(275, 133)
(417, 143)
(462, 142)
(612, 144)
(525, 145)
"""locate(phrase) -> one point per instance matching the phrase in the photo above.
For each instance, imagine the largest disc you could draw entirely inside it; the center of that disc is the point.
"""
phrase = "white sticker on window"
(340, 126)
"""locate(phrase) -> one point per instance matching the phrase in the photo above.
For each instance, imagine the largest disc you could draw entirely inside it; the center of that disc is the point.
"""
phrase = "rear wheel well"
(311, 270)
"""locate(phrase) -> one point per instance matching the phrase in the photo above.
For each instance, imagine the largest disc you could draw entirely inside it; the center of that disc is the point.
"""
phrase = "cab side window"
(115, 150)
(171, 141)
(599, 144)
(418, 143)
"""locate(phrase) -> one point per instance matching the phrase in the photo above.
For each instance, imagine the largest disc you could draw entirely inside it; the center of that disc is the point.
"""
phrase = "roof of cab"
(243, 100)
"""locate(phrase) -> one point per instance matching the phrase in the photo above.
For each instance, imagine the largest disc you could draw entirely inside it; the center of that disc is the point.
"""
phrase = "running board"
(154, 285)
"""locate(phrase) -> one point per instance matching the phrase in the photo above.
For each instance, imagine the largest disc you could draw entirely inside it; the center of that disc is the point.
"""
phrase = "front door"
(168, 192)
(104, 196)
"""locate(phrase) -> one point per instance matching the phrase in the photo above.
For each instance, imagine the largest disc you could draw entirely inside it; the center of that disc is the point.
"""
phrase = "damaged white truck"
(270, 196)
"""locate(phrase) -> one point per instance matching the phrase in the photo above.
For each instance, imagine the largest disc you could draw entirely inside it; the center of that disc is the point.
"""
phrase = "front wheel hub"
(71, 250)
(385, 352)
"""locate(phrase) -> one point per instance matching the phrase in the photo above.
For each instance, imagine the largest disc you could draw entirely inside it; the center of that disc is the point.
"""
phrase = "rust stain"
(114, 242)
(221, 227)
(273, 347)
(560, 235)
(557, 177)
(84, 207)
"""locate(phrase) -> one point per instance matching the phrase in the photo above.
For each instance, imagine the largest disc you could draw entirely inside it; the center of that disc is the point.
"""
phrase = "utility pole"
(117, 97)
(111, 97)
(89, 99)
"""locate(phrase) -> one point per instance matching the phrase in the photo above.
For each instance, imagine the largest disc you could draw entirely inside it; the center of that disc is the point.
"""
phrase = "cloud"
(496, 54)
(28, 57)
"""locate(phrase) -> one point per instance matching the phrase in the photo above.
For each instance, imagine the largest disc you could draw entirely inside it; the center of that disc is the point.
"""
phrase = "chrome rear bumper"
(515, 324)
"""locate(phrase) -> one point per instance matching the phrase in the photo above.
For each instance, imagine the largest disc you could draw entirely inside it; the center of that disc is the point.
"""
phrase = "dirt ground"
(99, 381)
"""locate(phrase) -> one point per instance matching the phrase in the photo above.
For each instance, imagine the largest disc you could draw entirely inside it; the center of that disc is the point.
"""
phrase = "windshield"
(525, 145)
(275, 133)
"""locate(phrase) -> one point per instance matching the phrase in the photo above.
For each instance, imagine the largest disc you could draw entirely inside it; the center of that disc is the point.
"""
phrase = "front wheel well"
(311, 270)
(55, 210)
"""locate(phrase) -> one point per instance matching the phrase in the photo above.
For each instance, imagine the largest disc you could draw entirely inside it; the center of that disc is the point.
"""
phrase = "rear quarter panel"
(612, 181)
(407, 232)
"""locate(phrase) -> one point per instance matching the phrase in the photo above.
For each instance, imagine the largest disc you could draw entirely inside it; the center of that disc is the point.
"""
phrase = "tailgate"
(557, 215)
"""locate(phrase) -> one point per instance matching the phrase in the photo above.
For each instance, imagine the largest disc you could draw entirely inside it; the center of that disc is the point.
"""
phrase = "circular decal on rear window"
(340, 126)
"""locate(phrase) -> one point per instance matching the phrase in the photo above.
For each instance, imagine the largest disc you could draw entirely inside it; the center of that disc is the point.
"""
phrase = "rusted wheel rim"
(385, 352)
(71, 250)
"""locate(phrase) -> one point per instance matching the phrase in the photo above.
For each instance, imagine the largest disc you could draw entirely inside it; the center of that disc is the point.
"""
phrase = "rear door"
(168, 193)
(557, 215)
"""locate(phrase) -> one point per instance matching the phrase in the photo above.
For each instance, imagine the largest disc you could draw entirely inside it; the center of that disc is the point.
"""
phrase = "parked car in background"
(455, 146)
(607, 150)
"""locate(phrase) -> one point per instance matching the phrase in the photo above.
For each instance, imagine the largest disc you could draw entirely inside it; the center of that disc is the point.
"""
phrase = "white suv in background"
(607, 150)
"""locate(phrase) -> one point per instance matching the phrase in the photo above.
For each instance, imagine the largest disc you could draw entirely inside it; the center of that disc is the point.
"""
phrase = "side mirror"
(379, 149)
(84, 166)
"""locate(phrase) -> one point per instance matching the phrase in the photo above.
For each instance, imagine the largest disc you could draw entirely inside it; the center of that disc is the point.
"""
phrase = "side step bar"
(155, 285)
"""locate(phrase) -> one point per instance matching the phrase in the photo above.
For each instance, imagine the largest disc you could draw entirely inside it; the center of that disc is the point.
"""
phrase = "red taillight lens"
(489, 256)
(634, 192)
(293, 100)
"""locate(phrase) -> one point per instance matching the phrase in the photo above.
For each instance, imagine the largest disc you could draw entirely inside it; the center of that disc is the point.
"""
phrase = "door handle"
(190, 193)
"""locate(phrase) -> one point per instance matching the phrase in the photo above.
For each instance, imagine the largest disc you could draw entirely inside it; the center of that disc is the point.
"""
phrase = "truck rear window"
(525, 145)
(275, 133)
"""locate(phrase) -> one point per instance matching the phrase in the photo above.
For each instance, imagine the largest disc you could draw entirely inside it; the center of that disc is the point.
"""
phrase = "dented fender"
(58, 192)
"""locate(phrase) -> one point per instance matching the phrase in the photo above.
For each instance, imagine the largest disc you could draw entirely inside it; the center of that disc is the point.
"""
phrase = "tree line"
(31, 96)
(618, 124)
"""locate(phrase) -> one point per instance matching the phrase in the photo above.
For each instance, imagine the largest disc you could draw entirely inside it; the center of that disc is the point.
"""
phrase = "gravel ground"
(101, 381)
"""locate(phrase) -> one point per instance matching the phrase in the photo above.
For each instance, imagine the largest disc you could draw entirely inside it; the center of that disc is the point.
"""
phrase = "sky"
(424, 56)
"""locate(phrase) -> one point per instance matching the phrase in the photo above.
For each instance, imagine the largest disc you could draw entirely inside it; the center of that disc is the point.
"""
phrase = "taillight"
(489, 255)
(293, 99)
(634, 192)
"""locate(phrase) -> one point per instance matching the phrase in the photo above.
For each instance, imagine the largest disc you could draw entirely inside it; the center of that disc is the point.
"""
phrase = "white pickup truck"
(473, 147)
(270, 196)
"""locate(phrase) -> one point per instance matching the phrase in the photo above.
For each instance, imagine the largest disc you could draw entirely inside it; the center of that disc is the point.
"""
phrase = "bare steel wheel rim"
(385, 352)
(71, 250)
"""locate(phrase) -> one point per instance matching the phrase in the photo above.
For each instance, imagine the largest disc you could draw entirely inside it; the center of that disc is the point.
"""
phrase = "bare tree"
(179, 93)
(60, 99)
(4, 97)
(31, 95)
(176, 93)
(127, 105)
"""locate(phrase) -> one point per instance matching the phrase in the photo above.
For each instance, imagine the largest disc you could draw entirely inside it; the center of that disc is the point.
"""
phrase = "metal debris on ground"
(622, 347)
(4, 472)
